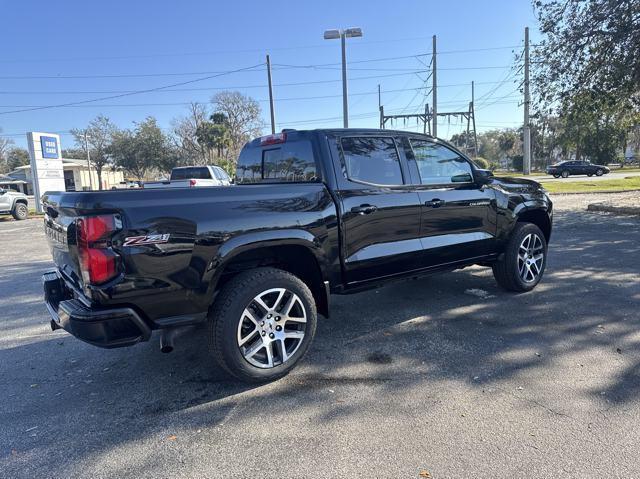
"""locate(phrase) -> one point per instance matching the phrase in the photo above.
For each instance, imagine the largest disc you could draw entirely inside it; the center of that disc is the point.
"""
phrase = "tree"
(5, 144)
(215, 136)
(243, 119)
(74, 153)
(589, 47)
(99, 134)
(17, 157)
(185, 137)
(143, 149)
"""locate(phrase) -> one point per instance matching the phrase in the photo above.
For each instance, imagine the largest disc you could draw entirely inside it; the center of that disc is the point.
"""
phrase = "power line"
(255, 50)
(130, 94)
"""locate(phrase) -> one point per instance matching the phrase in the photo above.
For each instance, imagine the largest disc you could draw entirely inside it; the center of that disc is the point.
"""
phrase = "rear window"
(196, 173)
(286, 162)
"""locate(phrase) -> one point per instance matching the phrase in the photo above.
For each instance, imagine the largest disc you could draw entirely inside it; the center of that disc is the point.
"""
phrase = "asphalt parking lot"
(447, 374)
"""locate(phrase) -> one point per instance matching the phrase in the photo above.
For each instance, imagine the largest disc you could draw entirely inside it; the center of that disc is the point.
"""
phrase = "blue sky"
(122, 46)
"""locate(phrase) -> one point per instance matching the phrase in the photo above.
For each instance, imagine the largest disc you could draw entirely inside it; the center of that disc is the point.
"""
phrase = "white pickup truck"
(190, 176)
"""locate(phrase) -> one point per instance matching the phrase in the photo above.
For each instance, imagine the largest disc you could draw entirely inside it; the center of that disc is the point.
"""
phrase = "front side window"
(372, 160)
(438, 165)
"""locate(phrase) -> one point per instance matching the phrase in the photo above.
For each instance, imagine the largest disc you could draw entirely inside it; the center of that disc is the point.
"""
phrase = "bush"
(481, 163)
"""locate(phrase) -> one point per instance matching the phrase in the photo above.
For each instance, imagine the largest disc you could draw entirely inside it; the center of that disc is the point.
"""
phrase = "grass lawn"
(586, 186)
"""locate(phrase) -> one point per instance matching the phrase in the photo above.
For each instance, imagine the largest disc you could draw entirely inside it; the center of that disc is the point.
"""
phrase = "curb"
(593, 192)
(621, 210)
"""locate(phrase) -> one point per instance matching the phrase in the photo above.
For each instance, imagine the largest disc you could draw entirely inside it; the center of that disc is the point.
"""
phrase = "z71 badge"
(146, 240)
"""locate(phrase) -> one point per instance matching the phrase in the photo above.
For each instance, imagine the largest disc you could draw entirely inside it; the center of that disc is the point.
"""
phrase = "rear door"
(458, 215)
(380, 210)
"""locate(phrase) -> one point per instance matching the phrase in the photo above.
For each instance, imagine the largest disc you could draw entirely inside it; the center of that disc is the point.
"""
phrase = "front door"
(459, 215)
(5, 200)
(380, 210)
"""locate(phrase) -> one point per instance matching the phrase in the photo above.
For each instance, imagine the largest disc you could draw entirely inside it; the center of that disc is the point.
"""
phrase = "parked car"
(312, 213)
(566, 168)
(189, 176)
(14, 203)
(124, 185)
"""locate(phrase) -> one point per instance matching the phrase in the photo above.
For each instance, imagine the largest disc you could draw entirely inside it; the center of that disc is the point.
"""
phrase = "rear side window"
(220, 174)
(196, 173)
(372, 160)
(286, 162)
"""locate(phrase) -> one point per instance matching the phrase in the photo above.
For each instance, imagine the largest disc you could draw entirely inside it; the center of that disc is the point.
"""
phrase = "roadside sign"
(46, 164)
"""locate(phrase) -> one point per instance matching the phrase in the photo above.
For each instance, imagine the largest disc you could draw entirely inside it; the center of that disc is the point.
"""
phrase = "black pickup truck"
(312, 213)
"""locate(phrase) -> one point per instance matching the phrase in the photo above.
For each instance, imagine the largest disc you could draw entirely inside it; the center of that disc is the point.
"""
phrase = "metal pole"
(380, 105)
(345, 104)
(526, 164)
(434, 89)
(86, 146)
(473, 112)
(273, 114)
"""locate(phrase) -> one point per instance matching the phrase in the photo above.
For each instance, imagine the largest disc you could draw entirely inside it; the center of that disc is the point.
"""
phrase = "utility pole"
(273, 114)
(86, 146)
(526, 164)
(380, 105)
(473, 116)
(434, 89)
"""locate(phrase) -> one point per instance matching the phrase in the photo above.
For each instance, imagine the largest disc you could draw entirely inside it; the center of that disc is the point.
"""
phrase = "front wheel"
(565, 174)
(262, 324)
(599, 172)
(556, 175)
(20, 212)
(524, 259)
(589, 175)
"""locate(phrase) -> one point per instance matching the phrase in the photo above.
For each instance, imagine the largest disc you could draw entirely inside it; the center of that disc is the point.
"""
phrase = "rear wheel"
(564, 174)
(524, 259)
(589, 174)
(20, 211)
(556, 175)
(262, 324)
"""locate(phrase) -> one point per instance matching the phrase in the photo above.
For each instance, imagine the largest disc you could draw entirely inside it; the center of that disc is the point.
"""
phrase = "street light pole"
(343, 35)
(345, 93)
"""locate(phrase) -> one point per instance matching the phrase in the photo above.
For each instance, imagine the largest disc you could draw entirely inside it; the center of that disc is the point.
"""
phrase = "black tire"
(599, 172)
(565, 174)
(20, 212)
(506, 270)
(227, 312)
(589, 174)
(556, 175)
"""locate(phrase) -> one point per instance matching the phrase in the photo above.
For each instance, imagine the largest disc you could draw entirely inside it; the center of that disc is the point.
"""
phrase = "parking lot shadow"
(454, 327)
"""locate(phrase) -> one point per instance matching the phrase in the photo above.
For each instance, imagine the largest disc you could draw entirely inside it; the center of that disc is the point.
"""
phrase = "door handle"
(364, 209)
(434, 203)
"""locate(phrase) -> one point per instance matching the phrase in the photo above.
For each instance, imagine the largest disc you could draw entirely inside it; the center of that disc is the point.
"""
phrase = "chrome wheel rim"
(530, 258)
(272, 328)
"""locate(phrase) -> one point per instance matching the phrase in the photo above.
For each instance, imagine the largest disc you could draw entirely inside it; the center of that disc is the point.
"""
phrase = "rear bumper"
(106, 328)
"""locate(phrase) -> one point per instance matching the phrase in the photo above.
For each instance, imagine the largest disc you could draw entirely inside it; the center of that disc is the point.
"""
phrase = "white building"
(77, 177)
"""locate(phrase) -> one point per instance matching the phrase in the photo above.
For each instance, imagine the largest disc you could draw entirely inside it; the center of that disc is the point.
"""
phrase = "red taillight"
(273, 139)
(192, 182)
(97, 259)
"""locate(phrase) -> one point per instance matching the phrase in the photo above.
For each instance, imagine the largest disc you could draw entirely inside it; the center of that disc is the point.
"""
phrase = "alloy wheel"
(530, 258)
(272, 328)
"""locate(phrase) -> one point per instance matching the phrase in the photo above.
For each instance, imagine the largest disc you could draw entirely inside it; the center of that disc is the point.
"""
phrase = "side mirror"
(483, 176)
(462, 178)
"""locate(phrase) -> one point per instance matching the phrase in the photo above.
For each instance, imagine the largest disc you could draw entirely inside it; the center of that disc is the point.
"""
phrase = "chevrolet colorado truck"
(312, 213)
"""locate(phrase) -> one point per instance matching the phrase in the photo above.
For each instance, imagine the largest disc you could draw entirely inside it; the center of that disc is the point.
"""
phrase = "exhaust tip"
(166, 340)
